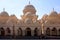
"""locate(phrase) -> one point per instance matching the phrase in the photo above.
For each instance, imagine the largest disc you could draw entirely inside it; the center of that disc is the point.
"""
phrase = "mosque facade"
(29, 25)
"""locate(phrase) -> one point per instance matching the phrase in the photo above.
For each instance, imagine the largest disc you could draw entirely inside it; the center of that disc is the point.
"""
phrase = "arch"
(36, 32)
(28, 32)
(8, 31)
(54, 31)
(59, 32)
(19, 32)
(48, 31)
(2, 31)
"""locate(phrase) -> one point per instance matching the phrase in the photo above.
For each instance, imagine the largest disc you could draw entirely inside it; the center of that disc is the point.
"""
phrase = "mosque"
(29, 25)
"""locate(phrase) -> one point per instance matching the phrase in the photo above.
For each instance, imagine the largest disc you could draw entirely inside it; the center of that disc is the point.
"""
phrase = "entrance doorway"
(28, 32)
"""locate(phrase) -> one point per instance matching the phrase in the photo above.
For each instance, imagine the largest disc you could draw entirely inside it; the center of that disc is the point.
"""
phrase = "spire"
(29, 2)
(3, 9)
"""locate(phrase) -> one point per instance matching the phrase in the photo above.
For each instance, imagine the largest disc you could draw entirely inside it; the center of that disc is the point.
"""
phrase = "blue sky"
(42, 6)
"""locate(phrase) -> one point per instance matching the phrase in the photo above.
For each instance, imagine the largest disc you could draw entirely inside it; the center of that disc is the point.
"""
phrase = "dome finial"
(3, 9)
(53, 9)
(29, 2)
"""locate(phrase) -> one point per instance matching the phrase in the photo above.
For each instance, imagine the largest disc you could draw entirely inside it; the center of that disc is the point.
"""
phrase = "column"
(43, 29)
(23, 32)
(32, 32)
(57, 32)
(5, 32)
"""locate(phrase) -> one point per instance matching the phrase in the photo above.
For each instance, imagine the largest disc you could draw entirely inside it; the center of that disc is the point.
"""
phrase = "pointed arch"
(48, 31)
(19, 32)
(8, 31)
(36, 32)
(54, 31)
(2, 31)
(28, 32)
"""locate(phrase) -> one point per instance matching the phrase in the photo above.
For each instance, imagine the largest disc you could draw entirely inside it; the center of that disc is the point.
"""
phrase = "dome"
(29, 8)
(53, 12)
(4, 13)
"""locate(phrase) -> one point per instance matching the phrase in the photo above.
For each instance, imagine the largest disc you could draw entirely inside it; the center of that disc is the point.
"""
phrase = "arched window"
(28, 32)
(36, 32)
(20, 32)
(54, 31)
(2, 31)
(8, 31)
(48, 31)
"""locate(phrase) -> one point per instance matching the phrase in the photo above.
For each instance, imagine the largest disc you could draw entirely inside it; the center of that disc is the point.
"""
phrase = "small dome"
(4, 13)
(45, 15)
(29, 8)
(53, 12)
(12, 15)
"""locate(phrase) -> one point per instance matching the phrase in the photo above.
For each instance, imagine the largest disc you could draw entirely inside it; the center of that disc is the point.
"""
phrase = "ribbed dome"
(4, 13)
(29, 8)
